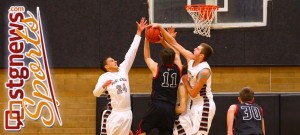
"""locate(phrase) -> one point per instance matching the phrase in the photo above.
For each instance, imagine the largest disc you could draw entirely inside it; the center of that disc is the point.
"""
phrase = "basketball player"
(183, 124)
(245, 118)
(161, 112)
(198, 83)
(116, 120)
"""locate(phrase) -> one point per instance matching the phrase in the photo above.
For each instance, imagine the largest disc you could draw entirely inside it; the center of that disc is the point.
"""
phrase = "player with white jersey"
(183, 123)
(198, 83)
(117, 118)
(203, 107)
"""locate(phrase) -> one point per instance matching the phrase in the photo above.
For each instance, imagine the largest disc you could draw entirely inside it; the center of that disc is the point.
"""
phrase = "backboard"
(231, 13)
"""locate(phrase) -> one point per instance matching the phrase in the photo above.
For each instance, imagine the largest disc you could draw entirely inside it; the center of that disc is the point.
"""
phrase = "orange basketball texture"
(152, 35)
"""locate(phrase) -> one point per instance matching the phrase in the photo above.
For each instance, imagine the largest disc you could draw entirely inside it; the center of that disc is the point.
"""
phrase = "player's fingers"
(143, 19)
(160, 36)
(109, 81)
(149, 26)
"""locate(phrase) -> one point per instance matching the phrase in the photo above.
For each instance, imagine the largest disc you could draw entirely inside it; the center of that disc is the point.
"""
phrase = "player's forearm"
(164, 44)
(263, 127)
(180, 109)
(146, 49)
(167, 45)
(190, 90)
(167, 35)
(229, 132)
(185, 53)
(98, 91)
(131, 53)
(229, 128)
(139, 33)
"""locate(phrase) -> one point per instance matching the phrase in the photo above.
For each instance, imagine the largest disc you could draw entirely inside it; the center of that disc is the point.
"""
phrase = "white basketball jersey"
(119, 89)
(192, 74)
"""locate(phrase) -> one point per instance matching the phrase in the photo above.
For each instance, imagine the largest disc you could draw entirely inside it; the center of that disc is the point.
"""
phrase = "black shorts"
(160, 115)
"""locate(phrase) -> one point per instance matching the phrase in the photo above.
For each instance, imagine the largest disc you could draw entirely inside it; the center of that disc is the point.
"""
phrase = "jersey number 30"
(251, 112)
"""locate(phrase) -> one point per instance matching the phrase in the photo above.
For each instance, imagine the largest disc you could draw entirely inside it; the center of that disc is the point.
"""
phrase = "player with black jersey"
(247, 117)
(166, 77)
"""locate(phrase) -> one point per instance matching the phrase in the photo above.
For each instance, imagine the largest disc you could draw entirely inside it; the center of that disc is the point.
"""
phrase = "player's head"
(109, 64)
(167, 56)
(207, 50)
(204, 51)
(246, 94)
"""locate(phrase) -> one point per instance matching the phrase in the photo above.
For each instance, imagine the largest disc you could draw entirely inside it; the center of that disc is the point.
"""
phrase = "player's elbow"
(145, 58)
(183, 109)
(96, 93)
(180, 110)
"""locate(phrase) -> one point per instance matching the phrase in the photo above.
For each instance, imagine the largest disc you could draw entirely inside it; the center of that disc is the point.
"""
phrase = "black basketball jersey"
(165, 84)
(248, 119)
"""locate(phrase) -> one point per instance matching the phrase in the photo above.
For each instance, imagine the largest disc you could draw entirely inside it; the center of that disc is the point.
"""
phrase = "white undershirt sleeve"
(98, 88)
(131, 53)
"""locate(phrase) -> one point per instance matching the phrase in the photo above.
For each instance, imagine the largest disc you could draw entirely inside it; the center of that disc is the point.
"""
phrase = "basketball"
(152, 35)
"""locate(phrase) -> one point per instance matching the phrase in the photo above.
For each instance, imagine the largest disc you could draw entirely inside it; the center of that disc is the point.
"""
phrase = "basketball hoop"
(203, 16)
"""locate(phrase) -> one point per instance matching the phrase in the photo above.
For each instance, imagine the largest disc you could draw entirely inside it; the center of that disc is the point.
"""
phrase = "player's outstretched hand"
(141, 25)
(171, 31)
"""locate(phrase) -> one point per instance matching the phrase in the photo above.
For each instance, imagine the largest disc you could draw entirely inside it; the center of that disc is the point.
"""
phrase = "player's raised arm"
(202, 78)
(101, 86)
(177, 59)
(183, 99)
(131, 53)
(152, 65)
(141, 26)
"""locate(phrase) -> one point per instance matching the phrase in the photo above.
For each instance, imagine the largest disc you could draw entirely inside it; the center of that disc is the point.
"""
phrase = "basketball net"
(203, 16)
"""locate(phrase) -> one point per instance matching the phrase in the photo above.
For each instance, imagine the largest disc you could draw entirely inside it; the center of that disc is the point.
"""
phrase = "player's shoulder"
(104, 75)
(190, 62)
(232, 108)
(255, 104)
(205, 71)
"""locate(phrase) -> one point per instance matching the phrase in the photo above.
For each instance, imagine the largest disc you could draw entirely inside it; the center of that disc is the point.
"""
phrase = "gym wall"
(78, 33)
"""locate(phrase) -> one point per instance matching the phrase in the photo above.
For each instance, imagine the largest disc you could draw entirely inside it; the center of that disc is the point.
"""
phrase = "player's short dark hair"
(167, 56)
(246, 94)
(103, 62)
(207, 50)
(184, 69)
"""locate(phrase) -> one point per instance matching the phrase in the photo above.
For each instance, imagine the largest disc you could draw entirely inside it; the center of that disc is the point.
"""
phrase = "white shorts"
(202, 114)
(116, 122)
(183, 125)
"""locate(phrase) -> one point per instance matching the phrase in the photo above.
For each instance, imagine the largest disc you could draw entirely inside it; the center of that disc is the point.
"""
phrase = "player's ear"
(202, 55)
(106, 67)
(240, 100)
(252, 100)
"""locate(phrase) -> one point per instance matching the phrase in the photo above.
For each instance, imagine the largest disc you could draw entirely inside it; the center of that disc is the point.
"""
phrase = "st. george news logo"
(27, 60)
